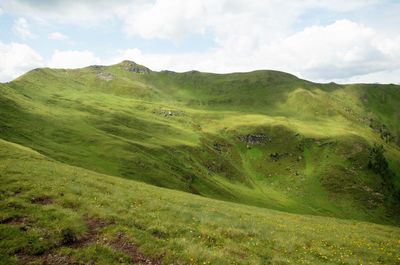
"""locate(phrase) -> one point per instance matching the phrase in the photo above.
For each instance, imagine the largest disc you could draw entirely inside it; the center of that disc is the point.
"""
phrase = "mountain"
(265, 156)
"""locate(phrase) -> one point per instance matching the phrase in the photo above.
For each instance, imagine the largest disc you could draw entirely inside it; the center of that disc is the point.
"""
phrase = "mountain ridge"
(133, 63)
(198, 132)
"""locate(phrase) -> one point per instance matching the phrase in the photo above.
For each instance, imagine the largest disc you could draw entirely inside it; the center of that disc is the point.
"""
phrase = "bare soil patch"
(43, 200)
(121, 243)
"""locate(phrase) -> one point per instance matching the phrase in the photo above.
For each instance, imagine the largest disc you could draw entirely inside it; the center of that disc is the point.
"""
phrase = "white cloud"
(158, 61)
(77, 12)
(72, 59)
(338, 51)
(16, 59)
(175, 18)
(1, 11)
(58, 36)
(21, 28)
(128, 54)
(247, 34)
(169, 19)
(19, 58)
(340, 5)
(387, 76)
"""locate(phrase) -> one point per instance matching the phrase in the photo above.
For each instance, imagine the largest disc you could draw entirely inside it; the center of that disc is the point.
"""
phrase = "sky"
(344, 41)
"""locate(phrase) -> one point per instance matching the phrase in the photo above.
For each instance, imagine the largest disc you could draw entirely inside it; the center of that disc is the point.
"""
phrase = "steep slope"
(263, 138)
(53, 213)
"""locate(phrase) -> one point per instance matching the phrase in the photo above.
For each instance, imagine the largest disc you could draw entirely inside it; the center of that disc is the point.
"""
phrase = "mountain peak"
(127, 62)
(133, 67)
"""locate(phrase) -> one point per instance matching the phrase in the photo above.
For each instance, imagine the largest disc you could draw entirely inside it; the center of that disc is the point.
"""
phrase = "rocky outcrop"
(105, 76)
(134, 67)
(97, 67)
(254, 139)
(168, 112)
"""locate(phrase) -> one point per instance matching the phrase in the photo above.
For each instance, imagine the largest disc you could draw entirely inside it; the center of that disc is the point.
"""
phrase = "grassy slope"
(55, 213)
(122, 128)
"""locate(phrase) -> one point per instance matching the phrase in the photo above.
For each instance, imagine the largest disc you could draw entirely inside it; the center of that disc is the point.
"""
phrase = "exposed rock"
(168, 112)
(375, 200)
(105, 76)
(218, 147)
(134, 67)
(97, 67)
(138, 70)
(275, 156)
(253, 139)
(378, 196)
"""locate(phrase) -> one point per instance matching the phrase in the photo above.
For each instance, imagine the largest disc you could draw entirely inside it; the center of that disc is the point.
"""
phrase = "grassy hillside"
(263, 138)
(53, 213)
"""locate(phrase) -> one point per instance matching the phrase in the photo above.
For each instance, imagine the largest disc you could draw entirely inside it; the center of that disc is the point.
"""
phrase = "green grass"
(170, 225)
(185, 131)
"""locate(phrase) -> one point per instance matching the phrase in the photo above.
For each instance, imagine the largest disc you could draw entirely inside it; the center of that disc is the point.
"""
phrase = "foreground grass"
(52, 212)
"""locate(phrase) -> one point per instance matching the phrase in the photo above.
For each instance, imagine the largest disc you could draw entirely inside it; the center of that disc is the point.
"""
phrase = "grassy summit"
(73, 142)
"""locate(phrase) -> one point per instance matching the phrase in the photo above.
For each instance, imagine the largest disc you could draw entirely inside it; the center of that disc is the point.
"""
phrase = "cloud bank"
(345, 44)
(16, 59)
